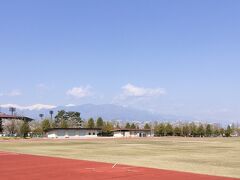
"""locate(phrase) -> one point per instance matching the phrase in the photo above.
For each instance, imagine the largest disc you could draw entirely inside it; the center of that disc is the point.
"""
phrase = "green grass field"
(214, 156)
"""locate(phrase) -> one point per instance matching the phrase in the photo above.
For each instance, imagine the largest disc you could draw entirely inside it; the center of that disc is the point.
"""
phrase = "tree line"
(193, 130)
(72, 119)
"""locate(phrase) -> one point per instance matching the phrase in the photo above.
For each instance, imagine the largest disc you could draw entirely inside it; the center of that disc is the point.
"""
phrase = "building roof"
(126, 129)
(52, 129)
(6, 116)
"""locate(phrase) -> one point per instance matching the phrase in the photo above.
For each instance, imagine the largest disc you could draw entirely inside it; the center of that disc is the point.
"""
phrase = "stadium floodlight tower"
(51, 114)
(41, 116)
(12, 110)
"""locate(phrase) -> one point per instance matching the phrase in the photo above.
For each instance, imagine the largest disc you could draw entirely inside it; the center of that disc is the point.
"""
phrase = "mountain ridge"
(106, 111)
(111, 112)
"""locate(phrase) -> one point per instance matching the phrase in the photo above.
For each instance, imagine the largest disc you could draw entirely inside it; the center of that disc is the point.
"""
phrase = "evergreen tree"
(222, 132)
(99, 123)
(45, 125)
(209, 130)
(61, 115)
(133, 126)
(169, 129)
(128, 126)
(177, 131)
(228, 131)
(73, 118)
(200, 130)
(147, 126)
(193, 129)
(161, 130)
(107, 129)
(24, 129)
(63, 124)
(91, 123)
(216, 132)
(69, 119)
(186, 130)
(156, 129)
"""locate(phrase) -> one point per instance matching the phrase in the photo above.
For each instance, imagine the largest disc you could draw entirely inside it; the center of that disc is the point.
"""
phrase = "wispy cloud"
(135, 91)
(30, 107)
(12, 93)
(70, 105)
(79, 92)
(132, 95)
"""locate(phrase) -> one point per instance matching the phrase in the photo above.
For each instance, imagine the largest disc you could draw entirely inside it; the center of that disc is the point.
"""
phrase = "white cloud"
(70, 105)
(138, 96)
(79, 92)
(134, 91)
(30, 107)
(40, 106)
(12, 93)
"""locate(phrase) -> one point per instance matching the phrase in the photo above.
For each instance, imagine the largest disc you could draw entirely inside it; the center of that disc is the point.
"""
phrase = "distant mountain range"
(112, 112)
(106, 111)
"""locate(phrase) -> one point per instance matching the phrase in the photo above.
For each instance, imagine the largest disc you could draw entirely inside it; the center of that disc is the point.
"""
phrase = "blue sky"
(173, 57)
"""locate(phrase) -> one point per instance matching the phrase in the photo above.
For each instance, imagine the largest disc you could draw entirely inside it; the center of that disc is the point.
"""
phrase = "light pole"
(51, 114)
(12, 110)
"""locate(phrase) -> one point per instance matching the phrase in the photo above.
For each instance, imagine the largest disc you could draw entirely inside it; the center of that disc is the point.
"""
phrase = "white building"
(63, 133)
(132, 133)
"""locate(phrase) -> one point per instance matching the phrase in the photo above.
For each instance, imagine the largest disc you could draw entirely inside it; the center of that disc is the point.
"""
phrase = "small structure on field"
(132, 133)
(63, 133)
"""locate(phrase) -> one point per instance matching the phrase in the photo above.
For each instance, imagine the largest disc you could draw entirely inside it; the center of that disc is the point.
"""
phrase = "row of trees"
(191, 130)
(136, 126)
(23, 128)
(72, 119)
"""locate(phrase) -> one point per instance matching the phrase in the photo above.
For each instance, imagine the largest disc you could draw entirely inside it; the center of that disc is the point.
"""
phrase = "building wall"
(132, 134)
(118, 134)
(59, 133)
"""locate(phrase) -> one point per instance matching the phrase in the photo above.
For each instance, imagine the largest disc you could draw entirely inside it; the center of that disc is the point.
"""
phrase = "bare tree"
(10, 127)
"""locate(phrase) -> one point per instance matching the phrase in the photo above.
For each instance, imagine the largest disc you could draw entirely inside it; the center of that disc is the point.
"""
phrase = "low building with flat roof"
(132, 133)
(63, 133)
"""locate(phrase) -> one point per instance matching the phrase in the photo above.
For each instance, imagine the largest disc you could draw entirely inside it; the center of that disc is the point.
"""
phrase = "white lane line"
(114, 165)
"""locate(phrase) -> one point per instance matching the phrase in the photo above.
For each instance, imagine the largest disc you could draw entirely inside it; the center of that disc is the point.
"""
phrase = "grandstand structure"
(4, 118)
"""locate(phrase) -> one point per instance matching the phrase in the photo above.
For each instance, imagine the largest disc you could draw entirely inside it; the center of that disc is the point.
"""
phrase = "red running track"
(29, 167)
